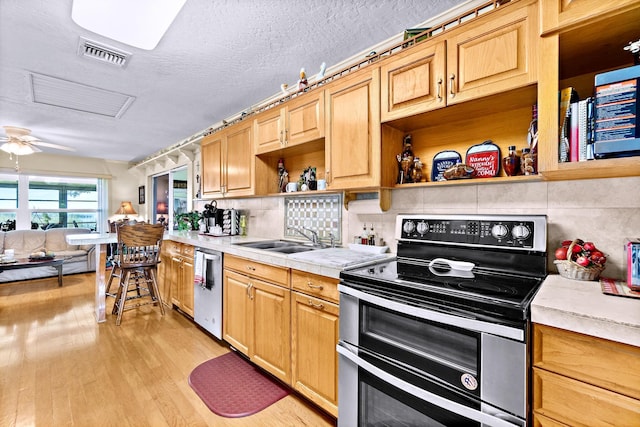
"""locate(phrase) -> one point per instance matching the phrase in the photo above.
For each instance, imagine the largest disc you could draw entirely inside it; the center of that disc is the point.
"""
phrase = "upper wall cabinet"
(296, 122)
(413, 82)
(562, 14)
(482, 58)
(228, 163)
(493, 55)
(352, 142)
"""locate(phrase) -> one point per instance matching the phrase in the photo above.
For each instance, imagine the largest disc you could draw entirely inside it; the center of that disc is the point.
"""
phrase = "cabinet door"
(236, 321)
(211, 163)
(269, 130)
(493, 55)
(305, 118)
(557, 14)
(240, 160)
(413, 82)
(271, 323)
(164, 277)
(186, 277)
(314, 336)
(175, 282)
(352, 145)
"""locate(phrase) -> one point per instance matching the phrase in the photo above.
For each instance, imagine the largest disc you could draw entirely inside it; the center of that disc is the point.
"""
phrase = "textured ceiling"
(218, 58)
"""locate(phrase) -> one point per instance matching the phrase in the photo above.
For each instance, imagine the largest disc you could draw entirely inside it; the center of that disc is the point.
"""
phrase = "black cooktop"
(476, 293)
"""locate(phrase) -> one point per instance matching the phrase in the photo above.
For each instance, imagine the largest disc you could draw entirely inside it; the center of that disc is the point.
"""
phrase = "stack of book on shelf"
(576, 127)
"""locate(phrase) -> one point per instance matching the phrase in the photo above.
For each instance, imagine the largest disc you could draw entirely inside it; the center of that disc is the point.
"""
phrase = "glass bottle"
(406, 159)
(416, 173)
(511, 163)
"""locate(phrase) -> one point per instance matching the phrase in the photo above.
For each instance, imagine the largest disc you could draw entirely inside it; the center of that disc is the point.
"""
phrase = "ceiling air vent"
(91, 49)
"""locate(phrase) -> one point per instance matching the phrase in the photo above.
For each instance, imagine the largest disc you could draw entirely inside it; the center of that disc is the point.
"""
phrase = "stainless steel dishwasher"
(207, 294)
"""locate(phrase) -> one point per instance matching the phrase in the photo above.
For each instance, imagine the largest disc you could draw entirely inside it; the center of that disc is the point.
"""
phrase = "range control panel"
(526, 232)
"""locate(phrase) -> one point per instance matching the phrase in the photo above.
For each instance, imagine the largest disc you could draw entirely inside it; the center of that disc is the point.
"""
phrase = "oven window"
(383, 405)
(407, 336)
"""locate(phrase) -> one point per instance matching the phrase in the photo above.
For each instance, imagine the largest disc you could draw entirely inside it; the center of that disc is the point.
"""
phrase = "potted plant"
(189, 220)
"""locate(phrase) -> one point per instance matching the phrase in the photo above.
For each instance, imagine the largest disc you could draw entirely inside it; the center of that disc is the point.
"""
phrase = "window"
(49, 202)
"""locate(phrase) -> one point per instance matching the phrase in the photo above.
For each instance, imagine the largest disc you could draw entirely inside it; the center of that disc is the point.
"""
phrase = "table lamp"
(162, 210)
(126, 209)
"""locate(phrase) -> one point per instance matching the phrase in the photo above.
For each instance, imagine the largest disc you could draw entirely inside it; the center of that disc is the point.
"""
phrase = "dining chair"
(138, 255)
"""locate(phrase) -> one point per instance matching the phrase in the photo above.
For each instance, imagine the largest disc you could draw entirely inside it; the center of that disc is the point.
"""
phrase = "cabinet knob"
(251, 268)
(439, 91)
(249, 294)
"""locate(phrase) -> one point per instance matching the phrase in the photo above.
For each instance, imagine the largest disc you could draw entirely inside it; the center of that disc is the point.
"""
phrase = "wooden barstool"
(138, 254)
(112, 256)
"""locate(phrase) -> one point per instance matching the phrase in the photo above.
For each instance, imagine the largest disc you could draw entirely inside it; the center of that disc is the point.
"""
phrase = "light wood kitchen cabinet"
(413, 81)
(493, 55)
(227, 162)
(166, 278)
(314, 336)
(563, 14)
(298, 121)
(352, 142)
(175, 275)
(584, 380)
(181, 272)
(582, 38)
(482, 58)
(257, 313)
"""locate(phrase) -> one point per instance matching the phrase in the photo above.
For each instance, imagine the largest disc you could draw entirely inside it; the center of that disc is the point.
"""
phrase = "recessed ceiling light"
(139, 23)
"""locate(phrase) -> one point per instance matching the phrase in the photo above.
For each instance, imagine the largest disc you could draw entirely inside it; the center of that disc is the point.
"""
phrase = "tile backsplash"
(604, 211)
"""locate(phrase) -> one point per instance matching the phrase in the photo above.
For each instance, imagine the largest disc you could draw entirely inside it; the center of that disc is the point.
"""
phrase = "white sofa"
(77, 258)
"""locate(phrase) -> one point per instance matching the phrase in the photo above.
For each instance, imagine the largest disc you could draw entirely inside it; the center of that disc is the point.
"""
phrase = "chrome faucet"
(313, 238)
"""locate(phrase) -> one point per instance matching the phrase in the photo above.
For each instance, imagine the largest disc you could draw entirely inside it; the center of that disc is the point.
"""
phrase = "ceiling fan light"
(140, 23)
(17, 148)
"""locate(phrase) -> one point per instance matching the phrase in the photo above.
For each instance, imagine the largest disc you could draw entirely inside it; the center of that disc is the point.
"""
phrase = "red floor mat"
(232, 387)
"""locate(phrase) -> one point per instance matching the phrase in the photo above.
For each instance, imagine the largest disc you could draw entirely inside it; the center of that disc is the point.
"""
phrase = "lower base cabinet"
(257, 314)
(286, 322)
(175, 275)
(314, 360)
(583, 380)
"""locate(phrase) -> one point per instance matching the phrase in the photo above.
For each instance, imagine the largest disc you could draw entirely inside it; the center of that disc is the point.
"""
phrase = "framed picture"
(141, 195)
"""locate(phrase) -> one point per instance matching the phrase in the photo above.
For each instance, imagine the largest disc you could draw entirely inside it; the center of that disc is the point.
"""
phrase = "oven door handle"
(447, 319)
(486, 419)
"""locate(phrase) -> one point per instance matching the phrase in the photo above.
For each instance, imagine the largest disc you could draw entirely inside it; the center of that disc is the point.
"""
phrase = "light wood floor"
(58, 367)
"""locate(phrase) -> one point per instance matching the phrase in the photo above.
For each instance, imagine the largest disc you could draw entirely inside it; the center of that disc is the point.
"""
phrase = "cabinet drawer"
(170, 247)
(188, 251)
(596, 361)
(271, 273)
(576, 403)
(312, 284)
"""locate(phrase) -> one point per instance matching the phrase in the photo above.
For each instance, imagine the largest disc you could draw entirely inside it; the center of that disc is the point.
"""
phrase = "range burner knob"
(521, 232)
(499, 231)
(422, 227)
(408, 227)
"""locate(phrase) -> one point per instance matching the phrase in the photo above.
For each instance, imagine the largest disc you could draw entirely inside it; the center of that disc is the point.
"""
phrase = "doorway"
(170, 197)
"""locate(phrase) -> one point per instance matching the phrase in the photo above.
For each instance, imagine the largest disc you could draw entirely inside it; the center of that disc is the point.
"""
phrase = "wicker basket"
(572, 270)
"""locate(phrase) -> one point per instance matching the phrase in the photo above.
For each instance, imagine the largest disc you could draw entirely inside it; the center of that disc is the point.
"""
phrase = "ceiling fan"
(20, 142)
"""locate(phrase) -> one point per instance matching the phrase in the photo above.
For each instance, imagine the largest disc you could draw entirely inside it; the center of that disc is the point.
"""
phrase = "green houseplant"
(188, 220)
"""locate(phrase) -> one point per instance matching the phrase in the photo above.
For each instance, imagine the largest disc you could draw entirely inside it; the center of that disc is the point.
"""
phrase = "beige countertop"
(580, 306)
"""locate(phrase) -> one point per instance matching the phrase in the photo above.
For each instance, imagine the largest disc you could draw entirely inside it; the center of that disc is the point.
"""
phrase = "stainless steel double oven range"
(440, 336)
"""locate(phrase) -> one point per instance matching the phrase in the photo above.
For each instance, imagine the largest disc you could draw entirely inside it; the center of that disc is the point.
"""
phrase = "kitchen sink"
(281, 246)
